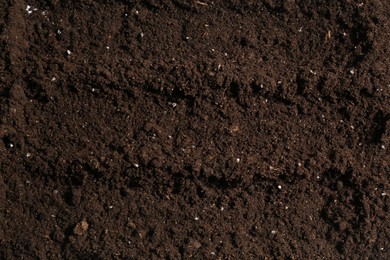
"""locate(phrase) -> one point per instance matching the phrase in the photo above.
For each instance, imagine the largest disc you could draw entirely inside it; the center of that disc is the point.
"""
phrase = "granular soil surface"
(194, 129)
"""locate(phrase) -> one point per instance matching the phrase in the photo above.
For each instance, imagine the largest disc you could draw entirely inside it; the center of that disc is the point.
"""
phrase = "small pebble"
(342, 226)
(81, 228)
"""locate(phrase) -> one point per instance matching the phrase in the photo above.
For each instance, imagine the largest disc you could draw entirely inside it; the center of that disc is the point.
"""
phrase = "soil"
(194, 129)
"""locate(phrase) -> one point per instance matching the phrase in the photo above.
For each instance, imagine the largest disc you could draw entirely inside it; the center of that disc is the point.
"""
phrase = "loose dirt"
(205, 129)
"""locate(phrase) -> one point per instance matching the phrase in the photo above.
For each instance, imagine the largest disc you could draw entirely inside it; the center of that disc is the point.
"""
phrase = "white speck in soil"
(384, 194)
(28, 9)
(273, 232)
(279, 187)
(383, 147)
(196, 218)
(28, 155)
(238, 160)
(68, 52)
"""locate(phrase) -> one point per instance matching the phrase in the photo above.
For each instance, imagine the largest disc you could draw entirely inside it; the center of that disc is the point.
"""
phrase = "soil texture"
(177, 129)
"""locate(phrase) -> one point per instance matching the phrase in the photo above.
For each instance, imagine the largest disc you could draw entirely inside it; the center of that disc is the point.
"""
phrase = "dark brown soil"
(175, 129)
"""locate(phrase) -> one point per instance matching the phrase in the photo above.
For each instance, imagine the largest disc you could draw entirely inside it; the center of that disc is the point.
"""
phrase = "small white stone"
(279, 187)
(174, 104)
(108, 47)
(383, 193)
(212, 50)
(299, 164)
(59, 31)
(93, 89)
(11, 145)
(28, 155)
(28, 9)
(383, 146)
(196, 218)
(352, 127)
(222, 208)
(142, 35)
(352, 72)
(135, 165)
(238, 160)
(68, 52)
(273, 232)
(53, 79)
(110, 207)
